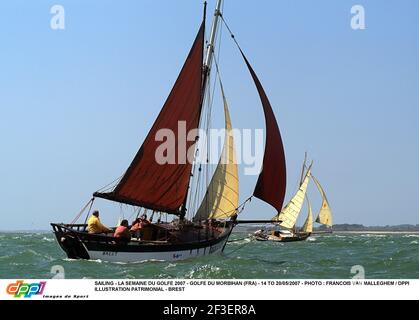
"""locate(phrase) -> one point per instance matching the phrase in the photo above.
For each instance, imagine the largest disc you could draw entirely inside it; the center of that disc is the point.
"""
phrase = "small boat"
(173, 189)
(324, 216)
(281, 236)
(288, 216)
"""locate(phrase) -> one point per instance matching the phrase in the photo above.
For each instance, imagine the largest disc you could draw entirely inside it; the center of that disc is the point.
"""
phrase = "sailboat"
(324, 216)
(167, 189)
(287, 218)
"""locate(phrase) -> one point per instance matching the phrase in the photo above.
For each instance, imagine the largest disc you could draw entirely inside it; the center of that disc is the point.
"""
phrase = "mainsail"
(271, 185)
(325, 214)
(222, 197)
(292, 210)
(147, 183)
(308, 225)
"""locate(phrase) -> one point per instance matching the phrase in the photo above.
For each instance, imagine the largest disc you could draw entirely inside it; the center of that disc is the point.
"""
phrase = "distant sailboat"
(288, 217)
(166, 189)
(308, 224)
(324, 216)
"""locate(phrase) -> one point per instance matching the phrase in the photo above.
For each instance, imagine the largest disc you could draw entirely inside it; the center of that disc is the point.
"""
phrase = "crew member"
(122, 232)
(94, 225)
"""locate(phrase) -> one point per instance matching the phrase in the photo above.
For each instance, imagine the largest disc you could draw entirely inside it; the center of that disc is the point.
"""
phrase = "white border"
(352, 289)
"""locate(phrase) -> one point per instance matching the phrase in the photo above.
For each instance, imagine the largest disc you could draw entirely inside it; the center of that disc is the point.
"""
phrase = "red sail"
(164, 187)
(272, 181)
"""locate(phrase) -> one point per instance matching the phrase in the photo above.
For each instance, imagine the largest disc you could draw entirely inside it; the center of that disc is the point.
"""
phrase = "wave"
(373, 235)
(240, 241)
(397, 255)
(135, 262)
(202, 272)
(27, 257)
(96, 261)
(70, 260)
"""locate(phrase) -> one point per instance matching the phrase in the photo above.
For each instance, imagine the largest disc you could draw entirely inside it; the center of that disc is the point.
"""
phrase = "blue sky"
(75, 104)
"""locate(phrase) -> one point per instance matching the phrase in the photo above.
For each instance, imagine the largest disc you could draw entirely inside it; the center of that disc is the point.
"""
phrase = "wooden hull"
(80, 245)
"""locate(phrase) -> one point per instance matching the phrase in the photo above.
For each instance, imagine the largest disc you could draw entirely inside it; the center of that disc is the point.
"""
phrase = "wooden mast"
(206, 72)
(304, 169)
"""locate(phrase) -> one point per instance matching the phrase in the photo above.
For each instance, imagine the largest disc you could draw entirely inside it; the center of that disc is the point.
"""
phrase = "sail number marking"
(110, 254)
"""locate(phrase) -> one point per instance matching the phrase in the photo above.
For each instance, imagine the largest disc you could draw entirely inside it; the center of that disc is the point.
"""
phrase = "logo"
(20, 289)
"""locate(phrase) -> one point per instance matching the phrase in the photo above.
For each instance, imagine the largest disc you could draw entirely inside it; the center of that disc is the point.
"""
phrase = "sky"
(76, 104)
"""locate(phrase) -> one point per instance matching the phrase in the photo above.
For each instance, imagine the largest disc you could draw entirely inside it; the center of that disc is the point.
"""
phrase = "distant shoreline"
(359, 228)
(375, 232)
(405, 229)
(353, 229)
(25, 231)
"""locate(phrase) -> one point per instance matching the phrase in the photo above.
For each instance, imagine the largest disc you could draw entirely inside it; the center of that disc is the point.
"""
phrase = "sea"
(36, 255)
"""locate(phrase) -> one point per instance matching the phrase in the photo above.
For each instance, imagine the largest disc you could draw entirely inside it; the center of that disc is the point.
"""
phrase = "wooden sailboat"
(165, 189)
(324, 216)
(287, 218)
(308, 224)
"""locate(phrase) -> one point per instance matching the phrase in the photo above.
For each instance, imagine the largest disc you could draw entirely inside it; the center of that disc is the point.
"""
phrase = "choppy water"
(32, 256)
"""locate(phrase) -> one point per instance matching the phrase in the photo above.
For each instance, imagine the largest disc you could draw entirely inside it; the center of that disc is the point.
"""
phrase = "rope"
(88, 212)
(231, 33)
(135, 212)
(110, 185)
(239, 248)
(238, 240)
(82, 210)
(200, 187)
(239, 209)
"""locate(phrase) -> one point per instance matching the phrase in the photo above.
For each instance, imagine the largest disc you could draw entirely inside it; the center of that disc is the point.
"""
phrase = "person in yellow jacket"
(95, 226)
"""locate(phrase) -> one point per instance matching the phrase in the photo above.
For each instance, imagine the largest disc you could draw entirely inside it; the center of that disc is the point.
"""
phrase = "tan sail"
(222, 198)
(308, 225)
(292, 210)
(325, 214)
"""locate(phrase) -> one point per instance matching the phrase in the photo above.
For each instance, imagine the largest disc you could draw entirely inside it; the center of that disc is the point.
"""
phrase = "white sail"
(325, 214)
(308, 225)
(292, 210)
(222, 198)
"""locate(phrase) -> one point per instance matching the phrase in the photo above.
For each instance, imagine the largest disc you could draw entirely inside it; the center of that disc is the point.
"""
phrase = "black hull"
(81, 245)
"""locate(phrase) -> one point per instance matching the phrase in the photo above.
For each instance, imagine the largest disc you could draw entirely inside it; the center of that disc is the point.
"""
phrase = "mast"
(211, 43)
(206, 73)
(304, 169)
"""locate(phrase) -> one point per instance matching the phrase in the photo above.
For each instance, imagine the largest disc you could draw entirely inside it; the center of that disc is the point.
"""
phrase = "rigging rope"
(231, 33)
(238, 240)
(110, 186)
(84, 209)
(88, 212)
(241, 247)
(201, 185)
